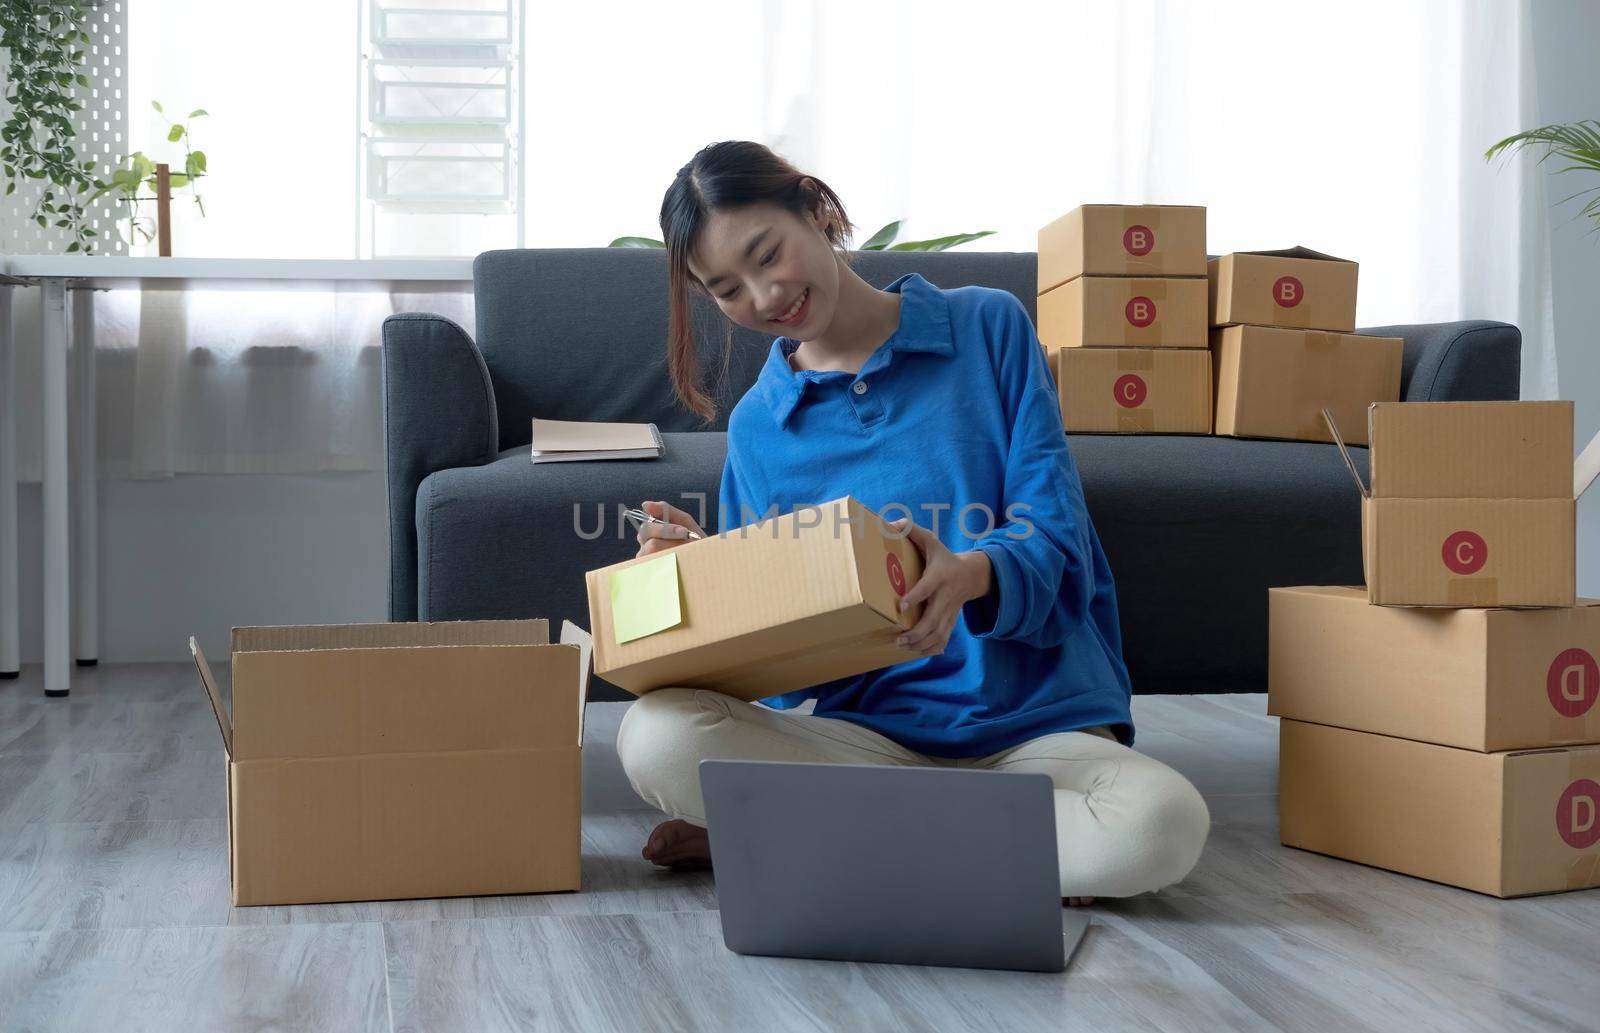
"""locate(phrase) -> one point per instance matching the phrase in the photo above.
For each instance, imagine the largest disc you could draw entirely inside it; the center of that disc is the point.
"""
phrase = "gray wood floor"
(114, 915)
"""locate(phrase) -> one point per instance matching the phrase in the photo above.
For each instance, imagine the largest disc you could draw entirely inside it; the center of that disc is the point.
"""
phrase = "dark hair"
(722, 176)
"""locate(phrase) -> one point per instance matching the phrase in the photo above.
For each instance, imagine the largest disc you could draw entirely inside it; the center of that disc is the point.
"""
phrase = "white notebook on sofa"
(558, 441)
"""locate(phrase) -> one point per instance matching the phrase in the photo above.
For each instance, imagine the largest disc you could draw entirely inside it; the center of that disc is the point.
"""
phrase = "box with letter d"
(1471, 503)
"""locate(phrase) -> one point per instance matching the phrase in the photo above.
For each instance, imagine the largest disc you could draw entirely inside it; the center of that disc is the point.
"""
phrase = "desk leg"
(85, 514)
(10, 646)
(53, 380)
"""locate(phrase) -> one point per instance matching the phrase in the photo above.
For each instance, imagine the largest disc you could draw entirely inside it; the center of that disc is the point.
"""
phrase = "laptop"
(908, 865)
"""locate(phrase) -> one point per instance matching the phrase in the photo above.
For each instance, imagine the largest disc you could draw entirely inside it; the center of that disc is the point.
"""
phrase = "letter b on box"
(1141, 311)
(1288, 291)
(1138, 240)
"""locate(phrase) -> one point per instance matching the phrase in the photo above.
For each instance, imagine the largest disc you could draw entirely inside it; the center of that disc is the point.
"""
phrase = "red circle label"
(1465, 552)
(897, 575)
(1138, 240)
(1288, 291)
(1573, 682)
(1130, 390)
(1140, 311)
(1578, 814)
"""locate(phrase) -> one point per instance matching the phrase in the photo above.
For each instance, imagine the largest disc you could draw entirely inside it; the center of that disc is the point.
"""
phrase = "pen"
(639, 516)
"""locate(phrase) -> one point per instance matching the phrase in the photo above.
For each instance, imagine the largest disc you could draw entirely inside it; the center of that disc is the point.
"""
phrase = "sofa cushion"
(506, 539)
(1195, 529)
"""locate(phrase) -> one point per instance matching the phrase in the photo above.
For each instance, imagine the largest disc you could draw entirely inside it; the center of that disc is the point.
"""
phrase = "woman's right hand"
(655, 537)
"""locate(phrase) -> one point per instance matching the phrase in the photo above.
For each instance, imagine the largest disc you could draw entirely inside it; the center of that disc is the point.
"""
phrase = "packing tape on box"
(1135, 359)
(1155, 290)
(1584, 870)
(1136, 421)
(1149, 218)
(1472, 591)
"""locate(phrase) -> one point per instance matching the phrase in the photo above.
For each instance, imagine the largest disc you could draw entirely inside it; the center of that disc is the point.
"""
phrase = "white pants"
(1125, 823)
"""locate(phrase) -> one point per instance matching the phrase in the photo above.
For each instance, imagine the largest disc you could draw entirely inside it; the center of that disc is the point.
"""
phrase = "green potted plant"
(139, 171)
(883, 240)
(1576, 143)
(43, 63)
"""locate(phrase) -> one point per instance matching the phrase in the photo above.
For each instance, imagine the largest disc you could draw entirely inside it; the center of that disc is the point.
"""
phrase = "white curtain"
(1357, 129)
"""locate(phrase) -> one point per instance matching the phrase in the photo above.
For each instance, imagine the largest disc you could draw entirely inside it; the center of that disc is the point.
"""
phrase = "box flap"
(1298, 251)
(1333, 429)
(1586, 468)
(572, 635)
(210, 683)
(535, 632)
(1485, 450)
(358, 701)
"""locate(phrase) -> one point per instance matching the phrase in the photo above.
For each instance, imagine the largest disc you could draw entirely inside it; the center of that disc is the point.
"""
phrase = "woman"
(937, 404)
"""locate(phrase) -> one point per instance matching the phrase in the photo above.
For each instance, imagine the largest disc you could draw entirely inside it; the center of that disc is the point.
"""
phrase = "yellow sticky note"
(644, 598)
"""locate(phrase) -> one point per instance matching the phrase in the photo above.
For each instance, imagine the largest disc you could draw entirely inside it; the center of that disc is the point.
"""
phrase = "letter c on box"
(1465, 552)
(1130, 390)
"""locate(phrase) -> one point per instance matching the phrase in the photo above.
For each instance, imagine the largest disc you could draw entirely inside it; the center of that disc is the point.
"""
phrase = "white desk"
(73, 527)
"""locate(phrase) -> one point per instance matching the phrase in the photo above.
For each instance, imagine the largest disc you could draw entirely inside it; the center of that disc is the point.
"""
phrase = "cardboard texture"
(1506, 823)
(1476, 679)
(1510, 543)
(1123, 312)
(1274, 383)
(1296, 287)
(389, 761)
(790, 602)
(1123, 240)
(1134, 390)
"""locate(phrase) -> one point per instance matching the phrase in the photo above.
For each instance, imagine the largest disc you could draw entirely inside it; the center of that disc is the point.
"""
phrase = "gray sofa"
(1196, 528)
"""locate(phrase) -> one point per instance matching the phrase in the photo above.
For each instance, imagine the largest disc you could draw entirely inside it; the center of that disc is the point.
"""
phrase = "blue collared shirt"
(953, 421)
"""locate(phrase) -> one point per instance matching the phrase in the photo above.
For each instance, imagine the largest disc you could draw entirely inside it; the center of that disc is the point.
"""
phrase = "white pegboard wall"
(102, 134)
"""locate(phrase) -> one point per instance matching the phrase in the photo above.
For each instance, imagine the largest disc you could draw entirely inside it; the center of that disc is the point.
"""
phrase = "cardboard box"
(1506, 824)
(1274, 383)
(386, 761)
(1123, 240)
(1134, 390)
(1296, 287)
(1512, 544)
(1476, 679)
(1123, 312)
(787, 603)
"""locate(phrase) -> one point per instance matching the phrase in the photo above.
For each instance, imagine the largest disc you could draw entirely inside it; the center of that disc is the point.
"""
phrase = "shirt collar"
(924, 327)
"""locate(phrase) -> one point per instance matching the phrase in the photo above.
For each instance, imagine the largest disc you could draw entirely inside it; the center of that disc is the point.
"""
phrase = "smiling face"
(758, 261)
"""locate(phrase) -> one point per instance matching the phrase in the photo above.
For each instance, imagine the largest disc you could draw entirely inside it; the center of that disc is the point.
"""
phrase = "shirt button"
(860, 387)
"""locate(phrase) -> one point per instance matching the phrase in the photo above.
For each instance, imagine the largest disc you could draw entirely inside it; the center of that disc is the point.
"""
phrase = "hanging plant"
(43, 64)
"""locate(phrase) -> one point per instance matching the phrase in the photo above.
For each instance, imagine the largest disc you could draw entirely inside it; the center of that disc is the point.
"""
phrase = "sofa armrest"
(438, 413)
(1472, 360)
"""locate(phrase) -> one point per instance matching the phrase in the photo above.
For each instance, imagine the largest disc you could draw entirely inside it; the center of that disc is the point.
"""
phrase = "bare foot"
(678, 844)
(1076, 901)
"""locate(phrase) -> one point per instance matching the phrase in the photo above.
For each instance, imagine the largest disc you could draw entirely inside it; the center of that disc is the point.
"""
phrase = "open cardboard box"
(1295, 287)
(787, 603)
(1274, 383)
(1123, 240)
(1507, 824)
(1476, 679)
(387, 761)
(1471, 503)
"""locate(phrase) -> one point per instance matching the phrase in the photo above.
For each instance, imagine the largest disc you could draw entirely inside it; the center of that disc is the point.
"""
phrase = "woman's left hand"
(948, 580)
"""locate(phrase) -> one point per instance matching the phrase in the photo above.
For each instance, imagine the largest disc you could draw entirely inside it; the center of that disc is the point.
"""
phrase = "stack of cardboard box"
(1122, 317)
(1451, 730)
(1282, 350)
